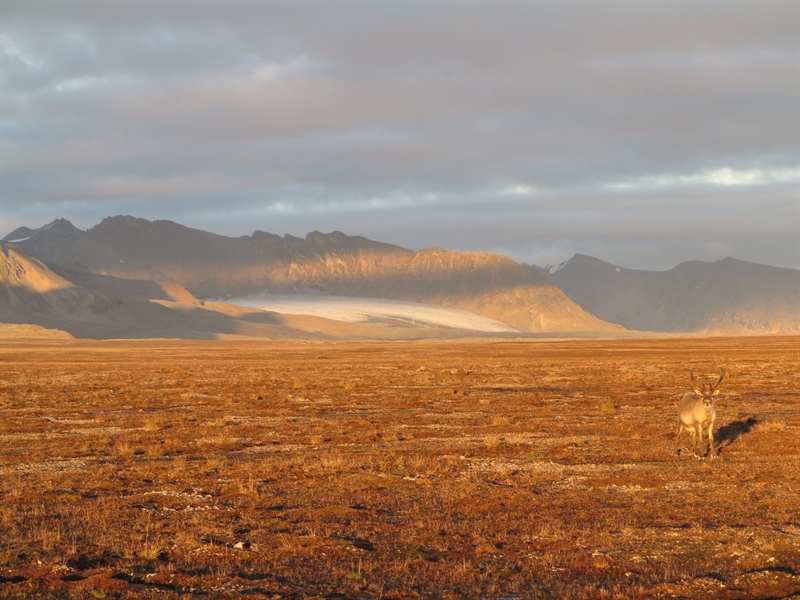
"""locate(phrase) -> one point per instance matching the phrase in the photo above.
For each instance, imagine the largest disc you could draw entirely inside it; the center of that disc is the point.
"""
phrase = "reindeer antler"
(721, 375)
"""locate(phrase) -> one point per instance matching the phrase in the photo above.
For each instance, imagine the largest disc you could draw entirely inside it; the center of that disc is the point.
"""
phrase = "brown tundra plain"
(459, 469)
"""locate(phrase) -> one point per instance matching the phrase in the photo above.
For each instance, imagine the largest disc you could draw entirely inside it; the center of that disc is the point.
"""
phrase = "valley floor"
(482, 469)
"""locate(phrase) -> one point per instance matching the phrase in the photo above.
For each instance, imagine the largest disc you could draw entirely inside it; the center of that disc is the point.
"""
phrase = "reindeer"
(696, 412)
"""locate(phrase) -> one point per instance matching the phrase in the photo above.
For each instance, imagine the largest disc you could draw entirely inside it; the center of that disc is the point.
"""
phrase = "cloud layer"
(641, 133)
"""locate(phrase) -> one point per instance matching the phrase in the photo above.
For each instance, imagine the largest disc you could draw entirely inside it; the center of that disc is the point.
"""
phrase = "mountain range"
(130, 277)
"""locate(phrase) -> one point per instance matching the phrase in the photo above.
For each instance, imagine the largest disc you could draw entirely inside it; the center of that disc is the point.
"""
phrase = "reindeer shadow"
(728, 434)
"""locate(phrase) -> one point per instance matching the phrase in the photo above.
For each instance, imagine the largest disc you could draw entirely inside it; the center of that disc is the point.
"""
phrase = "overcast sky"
(643, 133)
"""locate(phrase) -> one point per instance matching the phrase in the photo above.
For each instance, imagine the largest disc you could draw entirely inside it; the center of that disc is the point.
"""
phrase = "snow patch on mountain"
(556, 268)
(359, 310)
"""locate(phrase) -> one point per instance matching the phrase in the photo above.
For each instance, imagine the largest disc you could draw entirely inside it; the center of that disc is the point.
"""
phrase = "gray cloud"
(642, 133)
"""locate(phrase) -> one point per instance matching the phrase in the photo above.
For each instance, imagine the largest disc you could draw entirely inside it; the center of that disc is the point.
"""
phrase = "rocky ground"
(491, 469)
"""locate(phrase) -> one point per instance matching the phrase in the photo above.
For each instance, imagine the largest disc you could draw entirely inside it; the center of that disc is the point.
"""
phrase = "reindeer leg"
(697, 439)
(711, 451)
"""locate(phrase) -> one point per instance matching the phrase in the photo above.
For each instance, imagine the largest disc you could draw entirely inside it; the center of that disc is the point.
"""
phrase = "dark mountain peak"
(61, 225)
(582, 264)
(265, 236)
(127, 222)
(120, 227)
(773, 280)
(578, 257)
(336, 241)
(723, 264)
(120, 221)
(333, 235)
(585, 259)
(729, 262)
(19, 234)
(335, 238)
(60, 228)
(129, 233)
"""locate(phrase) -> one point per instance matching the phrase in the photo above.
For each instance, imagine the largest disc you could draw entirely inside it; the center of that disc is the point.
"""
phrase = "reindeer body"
(696, 412)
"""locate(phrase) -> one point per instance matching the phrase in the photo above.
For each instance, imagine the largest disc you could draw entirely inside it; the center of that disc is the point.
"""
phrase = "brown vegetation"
(493, 469)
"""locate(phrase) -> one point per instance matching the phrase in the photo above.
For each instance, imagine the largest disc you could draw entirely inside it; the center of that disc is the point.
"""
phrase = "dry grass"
(289, 470)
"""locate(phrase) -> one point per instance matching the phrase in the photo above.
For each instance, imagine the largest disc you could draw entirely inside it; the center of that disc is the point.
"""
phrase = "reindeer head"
(707, 390)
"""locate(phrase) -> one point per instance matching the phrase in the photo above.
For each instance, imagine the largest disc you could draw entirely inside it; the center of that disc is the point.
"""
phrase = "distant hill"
(214, 266)
(107, 307)
(728, 296)
(29, 290)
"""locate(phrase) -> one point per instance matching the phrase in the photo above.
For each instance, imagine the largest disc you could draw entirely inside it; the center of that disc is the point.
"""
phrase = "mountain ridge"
(582, 294)
(725, 295)
(213, 266)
